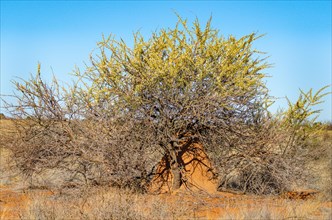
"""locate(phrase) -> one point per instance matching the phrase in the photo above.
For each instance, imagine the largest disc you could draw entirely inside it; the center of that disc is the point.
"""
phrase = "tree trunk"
(177, 178)
(176, 162)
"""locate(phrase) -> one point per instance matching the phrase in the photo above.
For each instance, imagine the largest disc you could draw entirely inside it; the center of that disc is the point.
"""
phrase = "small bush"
(2, 116)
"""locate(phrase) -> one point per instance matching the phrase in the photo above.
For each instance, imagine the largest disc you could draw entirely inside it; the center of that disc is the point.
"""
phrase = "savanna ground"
(18, 200)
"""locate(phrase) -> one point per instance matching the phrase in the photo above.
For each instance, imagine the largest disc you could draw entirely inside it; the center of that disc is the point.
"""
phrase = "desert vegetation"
(145, 118)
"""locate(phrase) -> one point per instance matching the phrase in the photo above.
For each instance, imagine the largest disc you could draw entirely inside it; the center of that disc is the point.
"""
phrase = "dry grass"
(285, 209)
(110, 203)
(105, 203)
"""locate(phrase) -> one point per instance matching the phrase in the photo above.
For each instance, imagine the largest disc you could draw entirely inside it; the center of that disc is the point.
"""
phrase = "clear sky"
(62, 34)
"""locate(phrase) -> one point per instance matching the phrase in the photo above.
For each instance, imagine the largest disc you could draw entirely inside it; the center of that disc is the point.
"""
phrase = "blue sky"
(61, 35)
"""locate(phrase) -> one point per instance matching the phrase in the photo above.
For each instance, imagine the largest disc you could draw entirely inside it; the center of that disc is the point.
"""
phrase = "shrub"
(134, 106)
